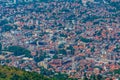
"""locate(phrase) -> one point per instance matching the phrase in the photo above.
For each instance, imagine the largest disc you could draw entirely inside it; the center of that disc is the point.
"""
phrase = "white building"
(85, 1)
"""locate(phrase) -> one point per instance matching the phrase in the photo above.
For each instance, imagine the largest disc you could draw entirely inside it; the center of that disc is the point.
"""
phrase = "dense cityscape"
(77, 37)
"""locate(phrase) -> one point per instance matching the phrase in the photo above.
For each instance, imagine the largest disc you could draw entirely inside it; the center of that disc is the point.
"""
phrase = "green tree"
(92, 49)
(41, 57)
(19, 51)
(62, 51)
(85, 77)
(117, 71)
(61, 76)
(2, 75)
(93, 77)
(99, 77)
(55, 56)
(15, 77)
(85, 40)
(46, 72)
(3, 22)
(6, 28)
(71, 49)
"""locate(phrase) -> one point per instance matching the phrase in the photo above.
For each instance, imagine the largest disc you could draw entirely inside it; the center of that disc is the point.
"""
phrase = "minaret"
(104, 55)
(73, 63)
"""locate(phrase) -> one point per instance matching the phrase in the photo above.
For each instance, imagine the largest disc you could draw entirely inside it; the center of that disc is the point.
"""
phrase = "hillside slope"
(11, 73)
